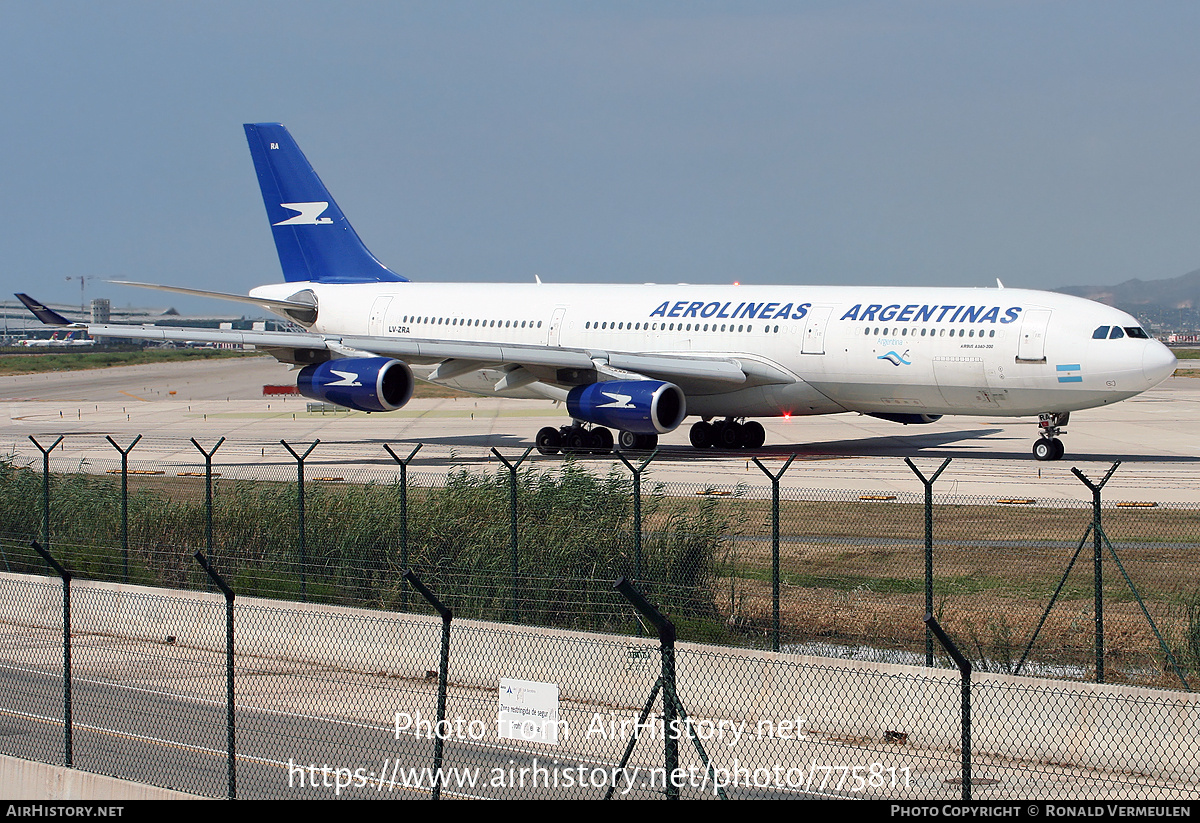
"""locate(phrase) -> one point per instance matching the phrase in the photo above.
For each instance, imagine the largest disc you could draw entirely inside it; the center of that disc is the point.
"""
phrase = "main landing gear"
(576, 439)
(1048, 446)
(727, 434)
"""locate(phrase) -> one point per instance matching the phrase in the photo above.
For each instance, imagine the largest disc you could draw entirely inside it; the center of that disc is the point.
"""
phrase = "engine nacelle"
(907, 418)
(370, 384)
(638, 406)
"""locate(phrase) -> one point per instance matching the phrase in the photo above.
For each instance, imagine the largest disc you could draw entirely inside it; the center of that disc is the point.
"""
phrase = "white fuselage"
(1008, 352)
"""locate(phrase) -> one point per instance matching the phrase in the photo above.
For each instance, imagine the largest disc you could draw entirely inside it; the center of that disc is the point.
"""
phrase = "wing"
(523, 364)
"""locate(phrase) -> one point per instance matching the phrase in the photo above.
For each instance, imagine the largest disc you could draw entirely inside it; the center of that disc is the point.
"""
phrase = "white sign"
(528, 711)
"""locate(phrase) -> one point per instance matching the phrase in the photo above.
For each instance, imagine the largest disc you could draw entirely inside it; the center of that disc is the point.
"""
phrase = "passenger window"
(1116, 333)
(1100, 333)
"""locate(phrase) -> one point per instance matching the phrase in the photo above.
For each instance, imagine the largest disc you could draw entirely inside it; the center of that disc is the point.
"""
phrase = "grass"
(24, 363)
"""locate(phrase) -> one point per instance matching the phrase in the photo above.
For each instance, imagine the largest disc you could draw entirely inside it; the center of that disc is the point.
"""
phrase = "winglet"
(47, 316)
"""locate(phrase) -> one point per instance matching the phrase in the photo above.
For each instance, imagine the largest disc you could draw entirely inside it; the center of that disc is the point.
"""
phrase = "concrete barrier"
(27, 780)
(1139, 731)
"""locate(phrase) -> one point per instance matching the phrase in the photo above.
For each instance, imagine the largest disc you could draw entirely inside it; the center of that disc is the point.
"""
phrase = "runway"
(1155, 436)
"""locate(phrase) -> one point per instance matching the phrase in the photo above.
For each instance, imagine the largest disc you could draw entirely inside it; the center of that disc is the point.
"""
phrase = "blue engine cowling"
(369, 384)
(907, 418)
(638, 406)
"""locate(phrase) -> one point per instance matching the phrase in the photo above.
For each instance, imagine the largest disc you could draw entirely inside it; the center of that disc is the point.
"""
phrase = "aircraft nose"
(1158, 363)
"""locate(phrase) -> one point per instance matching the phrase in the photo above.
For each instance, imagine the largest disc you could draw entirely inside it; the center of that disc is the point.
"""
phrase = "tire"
(602, 440)
(1059, 449)
(755, 435)
(628, 441)
(548, 441)
(1043, 449)
(731, 436)
(701, 435)
(647, 442)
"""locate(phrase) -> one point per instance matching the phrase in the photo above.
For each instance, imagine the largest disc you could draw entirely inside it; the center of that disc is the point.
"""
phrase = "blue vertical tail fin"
(315, 241)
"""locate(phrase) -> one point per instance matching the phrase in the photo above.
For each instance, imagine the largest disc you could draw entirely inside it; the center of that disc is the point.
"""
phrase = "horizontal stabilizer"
(276, 305)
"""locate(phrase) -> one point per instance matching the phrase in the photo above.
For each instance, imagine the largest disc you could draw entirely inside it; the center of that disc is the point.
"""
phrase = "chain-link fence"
(324, 701)
(831, 573)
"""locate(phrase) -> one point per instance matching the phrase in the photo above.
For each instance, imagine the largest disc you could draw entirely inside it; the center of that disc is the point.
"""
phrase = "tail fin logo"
(309, 214)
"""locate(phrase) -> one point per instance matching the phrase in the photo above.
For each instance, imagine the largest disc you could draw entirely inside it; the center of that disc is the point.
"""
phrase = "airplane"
(640, 359)
(69, 340)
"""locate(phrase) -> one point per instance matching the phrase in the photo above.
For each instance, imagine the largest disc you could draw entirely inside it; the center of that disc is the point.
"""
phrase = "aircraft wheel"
(755, 435)
(602, 440)
(647, 442)
(732, 436)
(1043, 449)
(548, 441)
(701, 435)
(1059, 449)
(628, 441)
(577, 440)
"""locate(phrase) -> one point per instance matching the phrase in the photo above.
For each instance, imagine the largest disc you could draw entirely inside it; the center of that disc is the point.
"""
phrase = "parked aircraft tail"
(48, 316)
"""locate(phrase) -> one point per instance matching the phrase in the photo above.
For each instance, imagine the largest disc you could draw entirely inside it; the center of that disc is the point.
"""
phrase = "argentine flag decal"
(1065, 373)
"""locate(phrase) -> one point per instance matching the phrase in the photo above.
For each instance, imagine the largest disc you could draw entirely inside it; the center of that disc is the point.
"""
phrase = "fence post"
(964, 668)
(403, 512)
(68, 755)
(666, 638)
(300, 458)
(928, 483)
(124, 503)
(512, 479)
(229, 715)
(45, 487)
(637, 510)
(443, 675)
(1097, 563)
(775, 546)
(208, 502)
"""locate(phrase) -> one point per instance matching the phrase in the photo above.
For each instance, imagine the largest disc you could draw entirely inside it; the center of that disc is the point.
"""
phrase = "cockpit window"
(1117, 332)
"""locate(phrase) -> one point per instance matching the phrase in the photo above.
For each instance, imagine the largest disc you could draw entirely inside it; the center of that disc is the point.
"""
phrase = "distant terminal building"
(1173, 339)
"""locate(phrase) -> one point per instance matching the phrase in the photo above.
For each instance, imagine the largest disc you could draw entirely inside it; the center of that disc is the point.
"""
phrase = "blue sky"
(930, 143)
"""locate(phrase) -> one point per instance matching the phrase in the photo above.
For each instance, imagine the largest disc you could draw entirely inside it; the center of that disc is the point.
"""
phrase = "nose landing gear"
(1048, 446)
